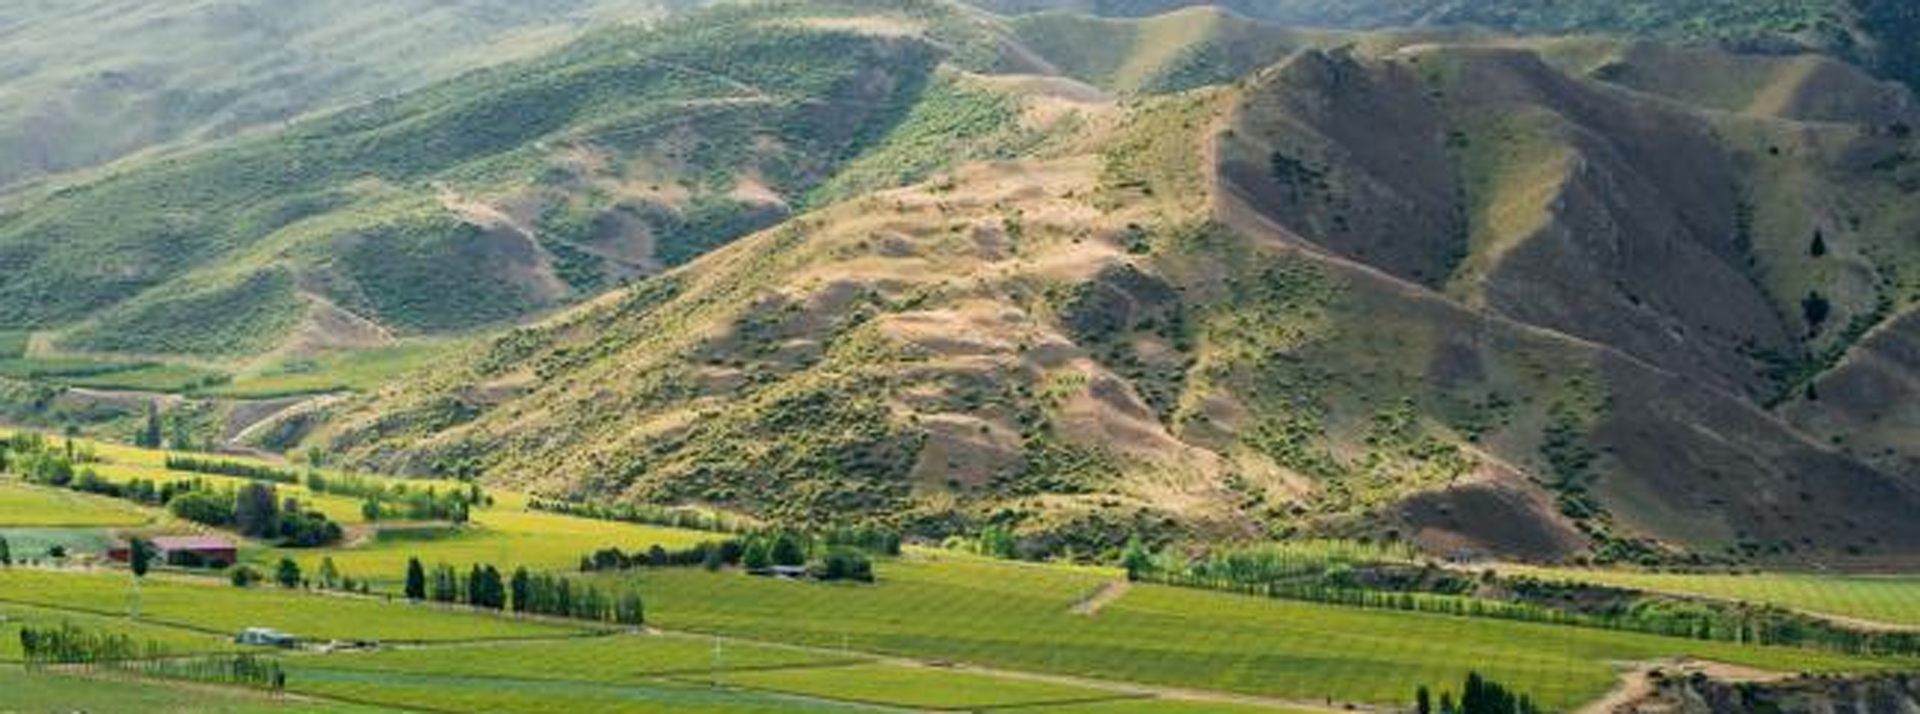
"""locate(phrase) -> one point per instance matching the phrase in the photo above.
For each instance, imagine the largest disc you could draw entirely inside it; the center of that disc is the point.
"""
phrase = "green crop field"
(168, 378)
(1162, 706)
(215, 607)
(1888, 600)
(932, 606)
(353, 371)
(24, 505)
(613, 658)
(529, 696)
(53, 692)
(915, 687)
(1018, 617)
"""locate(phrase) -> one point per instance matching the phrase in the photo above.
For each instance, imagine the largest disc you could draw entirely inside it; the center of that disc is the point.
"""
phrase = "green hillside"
(85, 83)
(471, 203)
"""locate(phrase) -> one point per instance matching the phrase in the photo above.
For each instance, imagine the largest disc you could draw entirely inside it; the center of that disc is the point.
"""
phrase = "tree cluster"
(712, 555)
(256, 511)
(219, 467)
(646, 514)
(244, 670)
(383, 500)
(526, 592)
(67, 644)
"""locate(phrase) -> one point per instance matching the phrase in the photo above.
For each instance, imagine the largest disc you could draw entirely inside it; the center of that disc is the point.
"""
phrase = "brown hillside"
(1454, 294)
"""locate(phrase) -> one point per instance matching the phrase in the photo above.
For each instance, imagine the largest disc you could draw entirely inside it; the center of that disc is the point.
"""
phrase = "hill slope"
(1462, 294)
(474, 202)
(87, 82)
(1880, 34)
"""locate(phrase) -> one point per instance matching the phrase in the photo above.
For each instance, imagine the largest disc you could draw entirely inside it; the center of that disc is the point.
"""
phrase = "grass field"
(915, 687)
(529, 696)
(1018, 617)
(50, 692)
(1889, 600)
(502, 536)
(354, 371)
(614, 658)
(1162, 706)
(23, 505)
(218, 608)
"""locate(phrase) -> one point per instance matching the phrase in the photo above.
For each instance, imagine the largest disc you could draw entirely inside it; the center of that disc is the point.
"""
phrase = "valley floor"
(938, 630)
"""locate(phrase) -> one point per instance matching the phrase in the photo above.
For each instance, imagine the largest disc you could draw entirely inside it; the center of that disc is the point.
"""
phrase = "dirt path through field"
(1099, 599)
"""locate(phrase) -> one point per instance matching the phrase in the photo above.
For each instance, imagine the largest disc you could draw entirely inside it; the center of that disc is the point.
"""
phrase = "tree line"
(236, 469)
(384, 500)
(524, 592)
(380, 499)
(66, 644)
(841, 555)
(256, 511)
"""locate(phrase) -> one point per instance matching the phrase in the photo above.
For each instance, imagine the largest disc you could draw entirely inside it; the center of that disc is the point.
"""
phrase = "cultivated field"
(1884, 600)
(916, 688)
(613, 659)
(523, 696)
(790, 645)
(215, 607)
(50, 692)
(1019, 617)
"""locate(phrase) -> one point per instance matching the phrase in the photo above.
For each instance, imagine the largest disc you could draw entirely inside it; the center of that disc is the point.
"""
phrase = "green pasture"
(360, 371)
(1162, 706)
(612, 659)
(216, 607)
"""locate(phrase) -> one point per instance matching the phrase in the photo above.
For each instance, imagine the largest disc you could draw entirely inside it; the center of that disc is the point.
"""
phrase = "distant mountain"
(1881, 34)
(85, 82)
(476, 202)
(1545, 298)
